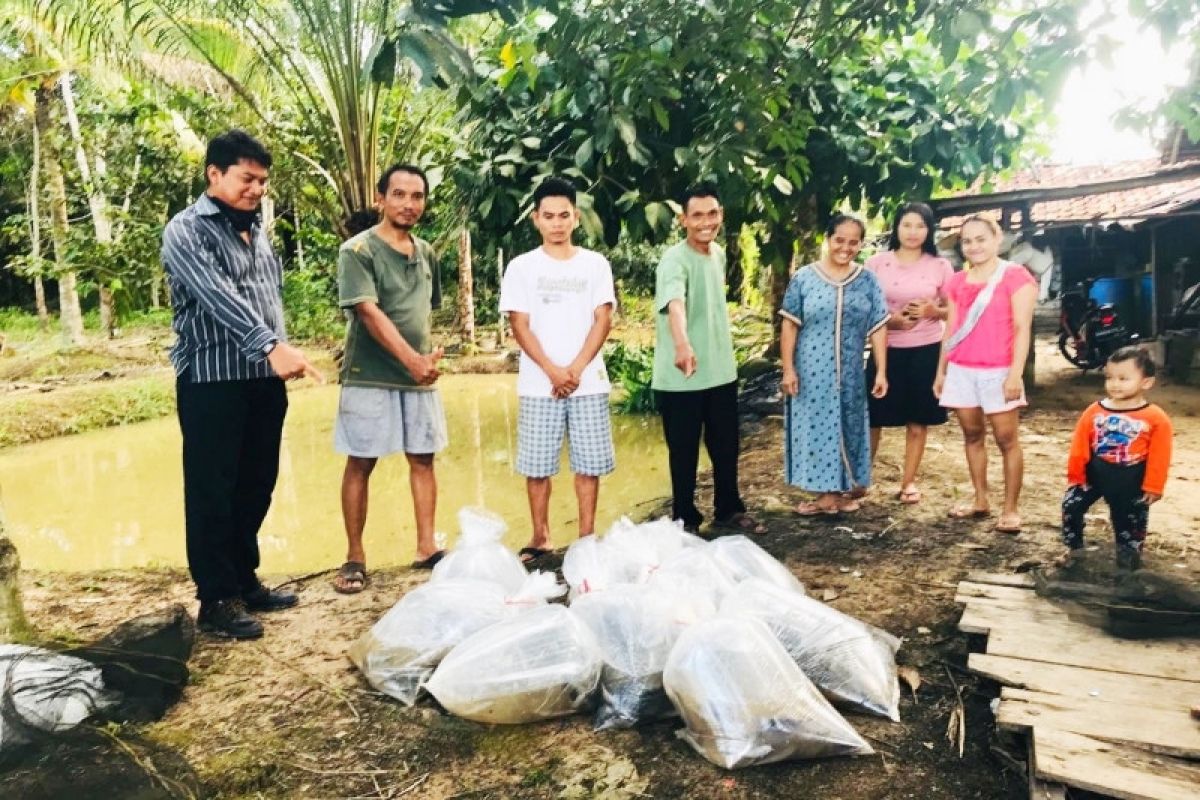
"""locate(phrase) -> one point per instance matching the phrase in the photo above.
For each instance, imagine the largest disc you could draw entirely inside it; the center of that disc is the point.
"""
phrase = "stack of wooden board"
(1103, 714)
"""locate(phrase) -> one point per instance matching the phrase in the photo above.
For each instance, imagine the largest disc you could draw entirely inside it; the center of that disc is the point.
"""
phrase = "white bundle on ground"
(742, 559)
(695, 570)
(47, 692)
(648, 545)
(745, 702)
(853, 663)
(635, 627)
(541, 664)
(480, 554)
(399, 653)
(590, 565)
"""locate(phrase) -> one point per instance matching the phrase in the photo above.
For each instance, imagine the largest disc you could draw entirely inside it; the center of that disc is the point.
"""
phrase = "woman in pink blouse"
(983, 357)
(913, 280)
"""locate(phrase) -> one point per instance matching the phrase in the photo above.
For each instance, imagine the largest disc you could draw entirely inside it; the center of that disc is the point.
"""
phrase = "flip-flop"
(966, 512)
(428, 563)
(811, 508)
(909, 496)
(1001, 528)
(534, 554)
(850, 505)
(352, 572)
(741, 521)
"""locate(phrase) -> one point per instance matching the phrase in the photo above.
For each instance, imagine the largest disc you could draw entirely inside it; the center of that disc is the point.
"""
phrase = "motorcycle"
(1089, 332)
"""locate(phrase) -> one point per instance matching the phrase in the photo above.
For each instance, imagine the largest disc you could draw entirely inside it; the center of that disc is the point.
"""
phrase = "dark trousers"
(1121, 488)
(711, 413)
(231, 434)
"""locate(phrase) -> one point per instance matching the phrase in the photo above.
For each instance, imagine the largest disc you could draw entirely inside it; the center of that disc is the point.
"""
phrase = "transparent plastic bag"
(541, 664)
(635, 628)
(43, 692)
(400, 651)
(648, 545)
(743, 559)
(479, 553)
(745, 702)
(591, 565)
(853, 663)
(696, 571)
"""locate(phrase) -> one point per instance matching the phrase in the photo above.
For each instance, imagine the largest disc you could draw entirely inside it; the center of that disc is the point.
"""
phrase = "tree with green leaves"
(790, 109)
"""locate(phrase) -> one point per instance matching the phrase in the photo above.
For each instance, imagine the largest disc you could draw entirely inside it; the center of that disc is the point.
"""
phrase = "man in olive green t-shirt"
(389, 285)
(695, 375)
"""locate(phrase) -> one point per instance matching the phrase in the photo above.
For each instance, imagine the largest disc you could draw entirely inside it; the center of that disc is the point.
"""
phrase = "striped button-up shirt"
(226, 296)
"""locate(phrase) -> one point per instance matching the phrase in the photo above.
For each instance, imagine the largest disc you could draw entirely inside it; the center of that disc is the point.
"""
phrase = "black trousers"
(688, 416)
(231, 435)
(1121, 488)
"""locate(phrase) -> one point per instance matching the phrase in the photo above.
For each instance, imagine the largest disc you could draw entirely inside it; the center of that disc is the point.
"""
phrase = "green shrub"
(631, 367)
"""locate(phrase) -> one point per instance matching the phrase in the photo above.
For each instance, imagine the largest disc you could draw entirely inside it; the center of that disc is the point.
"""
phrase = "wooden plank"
(1078, 646)
(1135, 690)
(1044, 633)
(1115, 770)
(1021, 580)
(1040, 789)
(967, 590)
(1159, 730)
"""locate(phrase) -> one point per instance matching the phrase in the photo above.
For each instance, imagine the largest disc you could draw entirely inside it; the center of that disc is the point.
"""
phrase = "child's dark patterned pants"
(1129, 514)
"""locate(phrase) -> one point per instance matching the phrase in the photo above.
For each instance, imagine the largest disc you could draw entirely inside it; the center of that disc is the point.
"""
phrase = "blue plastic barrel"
(1118, 291)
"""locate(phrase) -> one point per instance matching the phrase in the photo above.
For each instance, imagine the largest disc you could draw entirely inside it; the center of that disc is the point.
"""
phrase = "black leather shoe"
(264, 599)
(228, 618)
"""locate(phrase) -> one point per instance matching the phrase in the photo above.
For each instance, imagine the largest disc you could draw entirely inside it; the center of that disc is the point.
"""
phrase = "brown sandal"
(351, 578)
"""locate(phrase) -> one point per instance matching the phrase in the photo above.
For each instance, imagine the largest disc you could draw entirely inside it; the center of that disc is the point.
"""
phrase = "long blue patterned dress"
(827, 445)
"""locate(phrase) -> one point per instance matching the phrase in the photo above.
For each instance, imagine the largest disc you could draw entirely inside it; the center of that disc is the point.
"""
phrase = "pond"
(114, 499)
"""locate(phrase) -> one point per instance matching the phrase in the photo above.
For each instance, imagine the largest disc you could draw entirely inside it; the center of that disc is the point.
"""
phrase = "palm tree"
(337, 80)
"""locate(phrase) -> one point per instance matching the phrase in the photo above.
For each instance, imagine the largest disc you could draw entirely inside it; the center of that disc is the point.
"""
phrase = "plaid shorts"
(541, 424)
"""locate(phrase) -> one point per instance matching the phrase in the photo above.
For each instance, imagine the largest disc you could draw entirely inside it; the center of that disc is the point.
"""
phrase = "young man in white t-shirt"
(559, 300)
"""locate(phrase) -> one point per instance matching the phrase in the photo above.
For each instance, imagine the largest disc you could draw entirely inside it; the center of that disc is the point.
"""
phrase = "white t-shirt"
(561, 298)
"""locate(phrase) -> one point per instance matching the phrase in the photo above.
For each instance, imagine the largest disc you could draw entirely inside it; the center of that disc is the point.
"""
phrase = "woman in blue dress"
(831, 308)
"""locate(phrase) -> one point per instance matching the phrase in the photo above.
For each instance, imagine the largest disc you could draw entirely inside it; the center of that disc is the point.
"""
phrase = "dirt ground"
(288, 716)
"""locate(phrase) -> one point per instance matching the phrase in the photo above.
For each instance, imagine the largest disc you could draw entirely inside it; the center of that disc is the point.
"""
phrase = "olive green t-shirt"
(405, 289)
(698, 280)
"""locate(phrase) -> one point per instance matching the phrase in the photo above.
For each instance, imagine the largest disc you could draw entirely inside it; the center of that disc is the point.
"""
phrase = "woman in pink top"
(913, 280)
(983, 357)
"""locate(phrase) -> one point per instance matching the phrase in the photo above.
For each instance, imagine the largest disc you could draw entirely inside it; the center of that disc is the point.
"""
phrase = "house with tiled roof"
(1132, 225)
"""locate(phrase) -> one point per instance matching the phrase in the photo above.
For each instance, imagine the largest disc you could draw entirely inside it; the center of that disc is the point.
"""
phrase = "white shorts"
(978, 387)
(373, 422)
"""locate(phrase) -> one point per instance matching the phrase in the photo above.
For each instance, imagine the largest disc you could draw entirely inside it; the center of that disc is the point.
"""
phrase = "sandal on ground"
(1006, 525)
(968, 512)
(811, 508)
(741, 521)
(849, 504)
(428, 563)
(1068, 558)
(909, 496)
(351, 578)
(531, 554)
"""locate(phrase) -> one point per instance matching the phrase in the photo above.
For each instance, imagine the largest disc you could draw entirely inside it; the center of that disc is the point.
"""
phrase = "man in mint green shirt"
(695, 376)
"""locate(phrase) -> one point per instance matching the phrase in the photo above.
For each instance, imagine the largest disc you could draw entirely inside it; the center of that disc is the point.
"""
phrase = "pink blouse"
(923, 279)
(990, 344)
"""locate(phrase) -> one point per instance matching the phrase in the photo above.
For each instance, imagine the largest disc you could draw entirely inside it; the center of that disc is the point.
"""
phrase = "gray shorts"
(542, 422)
(375, 422)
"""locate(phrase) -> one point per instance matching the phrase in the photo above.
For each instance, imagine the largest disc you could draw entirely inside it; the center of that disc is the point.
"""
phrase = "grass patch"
(33, 417)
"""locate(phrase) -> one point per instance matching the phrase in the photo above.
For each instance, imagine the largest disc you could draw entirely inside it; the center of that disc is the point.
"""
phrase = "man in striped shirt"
(231, 360)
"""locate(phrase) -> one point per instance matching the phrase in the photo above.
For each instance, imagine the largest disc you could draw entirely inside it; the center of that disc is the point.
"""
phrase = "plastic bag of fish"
(636, 627)
(400, 651)
(853, 663)
(480, 554)
(541, 664)
(745, 702)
